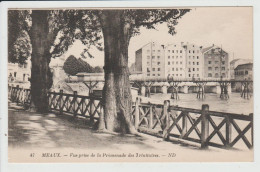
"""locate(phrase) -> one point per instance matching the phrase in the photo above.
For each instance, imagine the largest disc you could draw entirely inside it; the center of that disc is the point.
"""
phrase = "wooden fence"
(208, 128)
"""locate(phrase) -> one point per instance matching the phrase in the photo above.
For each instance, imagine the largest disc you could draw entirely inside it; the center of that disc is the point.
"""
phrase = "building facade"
(234, 63)
(172, 60)
(244, 71)
(216, 62)
(194, 61)
(18, 72)
(150, 60)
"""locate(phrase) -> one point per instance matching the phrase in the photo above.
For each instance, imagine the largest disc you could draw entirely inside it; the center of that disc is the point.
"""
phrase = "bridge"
(173, 85)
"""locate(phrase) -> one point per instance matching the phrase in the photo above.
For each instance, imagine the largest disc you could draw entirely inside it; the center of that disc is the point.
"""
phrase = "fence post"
(74, 103)
(151, 117)
(167, 119)
(204, 126)
(61, 96)
(184, 123)
(17, 94)
(252, 128)
(228, 131)
(92, 109)
(137, 103)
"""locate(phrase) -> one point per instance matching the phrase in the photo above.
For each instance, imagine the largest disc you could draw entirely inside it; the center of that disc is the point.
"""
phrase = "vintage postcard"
(130, 84)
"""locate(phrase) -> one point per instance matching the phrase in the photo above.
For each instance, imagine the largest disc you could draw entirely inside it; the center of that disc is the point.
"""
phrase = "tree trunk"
(41, 76)
(116, 93)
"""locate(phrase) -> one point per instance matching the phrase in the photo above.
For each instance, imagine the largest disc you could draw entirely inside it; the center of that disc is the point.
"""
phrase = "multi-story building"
(18, 72)
(173, 60)
(194, 61)
(244, 71)
(216, 62)
(234, 63)
(150, 60)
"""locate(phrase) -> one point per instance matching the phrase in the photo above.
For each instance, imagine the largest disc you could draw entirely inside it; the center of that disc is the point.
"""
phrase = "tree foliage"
(72, 66)
(19, 46)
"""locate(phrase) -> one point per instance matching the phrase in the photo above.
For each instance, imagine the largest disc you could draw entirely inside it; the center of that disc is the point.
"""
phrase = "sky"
(229, 27)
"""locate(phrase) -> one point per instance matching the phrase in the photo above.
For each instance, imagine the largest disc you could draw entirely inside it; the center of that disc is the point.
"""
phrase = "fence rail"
(208, 128)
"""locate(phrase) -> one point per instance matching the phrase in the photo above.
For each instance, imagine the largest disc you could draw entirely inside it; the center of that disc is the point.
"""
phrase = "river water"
(235, 103)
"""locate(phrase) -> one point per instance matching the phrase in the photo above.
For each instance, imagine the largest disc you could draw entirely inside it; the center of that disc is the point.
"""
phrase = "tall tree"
(118, 26)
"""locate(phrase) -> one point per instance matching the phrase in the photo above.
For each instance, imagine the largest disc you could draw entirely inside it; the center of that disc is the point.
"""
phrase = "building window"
(154, 51)
(189, 57)
(176, 62)
(176, 74)
(197, 57)
(176, 51)
(153, 69)
(169, 63)
(169, 51)
(198, 75)
(158, 74)
(198, 63)
(172, 69)
(158, 57)
(158, 63)
(159, 69)
(193, 69)
(209, 75)
(216, 75)
(189, 51)
(148, 57)
(223, 68)
(148, 63)
(223, 75)
(209, 68)
(153, 74)
(189, 63)
(180, 51)
(148, 70)
(153, 57)
(158, 50)
(246, 72)
(216, 62)
(193, 63)
(176, 57)
(180, 62)
(172, 62)
(216, 68)
(209, 62)
(189, 75)
(180, 74)
(148, 51)
(180, 68)
(169, 57)
(193, 57)
(176, 69)
(173, 57)
(223, 62)
(198, 69)
(180, 56)
(172, 51)
(193, 51)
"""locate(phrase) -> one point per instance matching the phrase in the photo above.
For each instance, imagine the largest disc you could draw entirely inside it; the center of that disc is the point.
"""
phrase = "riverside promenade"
(28, 131)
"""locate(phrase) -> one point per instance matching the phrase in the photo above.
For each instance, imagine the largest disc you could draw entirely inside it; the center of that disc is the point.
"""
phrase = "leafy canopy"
(67, 26)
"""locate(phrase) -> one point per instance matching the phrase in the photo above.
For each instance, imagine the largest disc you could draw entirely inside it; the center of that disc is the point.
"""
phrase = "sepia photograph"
(130, 84)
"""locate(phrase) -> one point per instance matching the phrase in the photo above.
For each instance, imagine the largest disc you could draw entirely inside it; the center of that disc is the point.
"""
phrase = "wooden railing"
(208, 128)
